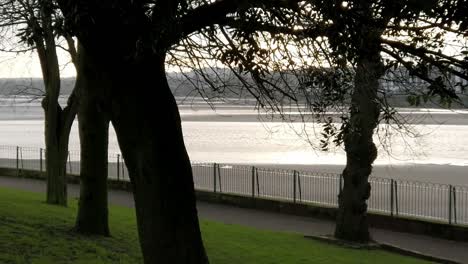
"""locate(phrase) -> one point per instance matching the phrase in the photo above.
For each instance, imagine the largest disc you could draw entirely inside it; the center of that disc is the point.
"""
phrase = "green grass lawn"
(33, 232)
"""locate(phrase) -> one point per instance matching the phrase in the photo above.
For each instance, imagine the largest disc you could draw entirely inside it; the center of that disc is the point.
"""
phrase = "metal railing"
(398, 198)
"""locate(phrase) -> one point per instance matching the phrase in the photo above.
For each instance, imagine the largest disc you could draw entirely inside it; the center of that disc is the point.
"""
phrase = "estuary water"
(436, 149)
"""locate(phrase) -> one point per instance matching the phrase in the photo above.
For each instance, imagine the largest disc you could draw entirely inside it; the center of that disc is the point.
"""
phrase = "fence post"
(391, 197)
(396, 197)
(253, 181)
(123, 168)
(294, 184)
(118, 167)
(450, 205)
(258, 182)
(40, 160)
(17, 161)
(299, 186)
(21, 159)
(219, 178)
(214, 177)
(454, 204)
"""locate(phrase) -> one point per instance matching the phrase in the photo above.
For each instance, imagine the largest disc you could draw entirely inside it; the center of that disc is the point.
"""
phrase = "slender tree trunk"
(148, 127)
(55, 140)
(58, 121)
(359, 146)
(93, 121)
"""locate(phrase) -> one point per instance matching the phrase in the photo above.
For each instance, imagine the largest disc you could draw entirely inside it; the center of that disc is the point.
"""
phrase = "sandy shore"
(246, 114)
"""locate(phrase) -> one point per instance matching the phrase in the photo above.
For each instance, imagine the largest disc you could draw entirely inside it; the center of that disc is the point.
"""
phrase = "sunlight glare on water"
(246, 140)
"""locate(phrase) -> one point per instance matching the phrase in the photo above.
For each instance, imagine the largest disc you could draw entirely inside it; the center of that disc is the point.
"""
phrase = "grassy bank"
(33, 232)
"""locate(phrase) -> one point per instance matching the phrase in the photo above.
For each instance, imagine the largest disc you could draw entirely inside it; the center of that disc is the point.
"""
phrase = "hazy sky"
(27, 65)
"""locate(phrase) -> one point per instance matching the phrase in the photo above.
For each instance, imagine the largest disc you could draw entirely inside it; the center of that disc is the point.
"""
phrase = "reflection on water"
(276, 143)
(226, 136)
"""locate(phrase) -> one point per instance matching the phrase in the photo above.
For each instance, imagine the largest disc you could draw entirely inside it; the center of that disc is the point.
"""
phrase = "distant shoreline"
(235, 113)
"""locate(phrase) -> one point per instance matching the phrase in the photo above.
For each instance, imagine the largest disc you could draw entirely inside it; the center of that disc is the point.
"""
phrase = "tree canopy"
(316, 54)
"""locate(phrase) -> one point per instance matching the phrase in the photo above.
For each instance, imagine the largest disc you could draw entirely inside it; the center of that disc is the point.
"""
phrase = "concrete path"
(446, 249)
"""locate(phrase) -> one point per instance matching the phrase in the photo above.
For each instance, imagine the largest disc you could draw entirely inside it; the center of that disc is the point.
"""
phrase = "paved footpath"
(457, 251)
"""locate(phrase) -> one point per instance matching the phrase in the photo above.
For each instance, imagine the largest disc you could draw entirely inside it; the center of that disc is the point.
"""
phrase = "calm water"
(232, 134)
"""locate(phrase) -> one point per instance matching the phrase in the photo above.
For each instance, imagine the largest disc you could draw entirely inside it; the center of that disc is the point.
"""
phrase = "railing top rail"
(458, 187)
(319, 174)
(234, 166)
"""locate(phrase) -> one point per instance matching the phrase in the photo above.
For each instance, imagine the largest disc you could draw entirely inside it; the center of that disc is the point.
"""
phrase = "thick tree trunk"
(56, 135)
(148, 127)
(56, 161)
(93, 121)
(359, 146)
(58, 124)
(58, 121)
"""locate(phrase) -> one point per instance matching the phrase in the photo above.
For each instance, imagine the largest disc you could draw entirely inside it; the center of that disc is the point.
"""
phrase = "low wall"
(409, 225)
(415, 226)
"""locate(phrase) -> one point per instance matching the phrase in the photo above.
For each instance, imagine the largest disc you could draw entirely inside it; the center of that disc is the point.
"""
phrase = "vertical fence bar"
(253, 181)
(299, 186)
(391, 197)
(123, 169)
(40, 159)
(118, 167)
(214, 177)
(454, 204)
(396, 197)
(219, 178)
(294, 186)
(21, 158)
(258, 182)
(450, 205)
(17, 161)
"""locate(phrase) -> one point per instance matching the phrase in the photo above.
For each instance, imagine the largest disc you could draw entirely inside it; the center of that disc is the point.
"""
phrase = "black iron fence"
(430, 201)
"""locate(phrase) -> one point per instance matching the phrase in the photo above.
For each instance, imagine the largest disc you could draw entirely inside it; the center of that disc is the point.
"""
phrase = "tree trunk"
(359, 146)
(58, 124)
(56, 162)
(58, 121)
(56, 135)
(93, 121)
(148, 127)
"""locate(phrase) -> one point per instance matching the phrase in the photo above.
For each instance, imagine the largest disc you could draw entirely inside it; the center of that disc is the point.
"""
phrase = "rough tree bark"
(148, 126)
(359, 146)
(58, 124)
(58, 121)
(92, 217)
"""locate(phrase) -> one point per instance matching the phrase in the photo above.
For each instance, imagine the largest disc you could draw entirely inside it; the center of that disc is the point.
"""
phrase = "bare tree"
(40, 27)
(36, 22)
(312, 63)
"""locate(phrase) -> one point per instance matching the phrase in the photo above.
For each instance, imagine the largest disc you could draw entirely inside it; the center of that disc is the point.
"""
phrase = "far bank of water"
(437, 152)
